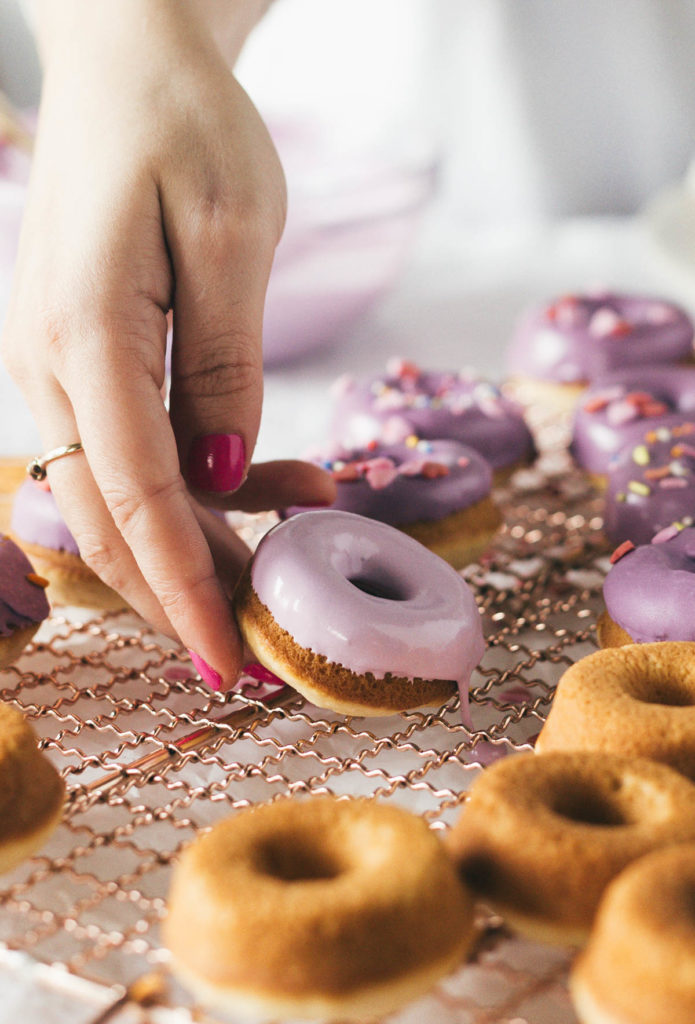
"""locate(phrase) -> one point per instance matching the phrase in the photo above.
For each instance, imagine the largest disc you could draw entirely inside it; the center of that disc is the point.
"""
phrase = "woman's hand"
(155, 186)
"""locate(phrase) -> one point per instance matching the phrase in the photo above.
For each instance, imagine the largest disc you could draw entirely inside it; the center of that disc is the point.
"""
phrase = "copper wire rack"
(151, 757)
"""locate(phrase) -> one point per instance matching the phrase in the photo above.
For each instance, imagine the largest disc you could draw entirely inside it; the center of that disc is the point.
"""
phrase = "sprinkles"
(623, 549)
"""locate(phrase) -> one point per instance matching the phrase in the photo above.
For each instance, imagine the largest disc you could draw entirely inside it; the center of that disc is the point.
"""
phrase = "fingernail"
(216, 462)
(206, 672)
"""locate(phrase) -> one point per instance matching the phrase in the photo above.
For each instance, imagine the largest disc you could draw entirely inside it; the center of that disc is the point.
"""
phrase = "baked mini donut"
(652, 483)
(621, 406)
(560, 347)
(639, 965)
(318, 908)
(435, 491)
(357, 616)
(23, 602)
(32, 791)
(649, 591)
(408, 402)
(541, 835)
(637, 700)
(40, 530)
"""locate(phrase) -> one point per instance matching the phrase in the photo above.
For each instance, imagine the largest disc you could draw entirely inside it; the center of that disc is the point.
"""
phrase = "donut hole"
(587, 806)
(668, 691)
(297, 859)
(388, 590)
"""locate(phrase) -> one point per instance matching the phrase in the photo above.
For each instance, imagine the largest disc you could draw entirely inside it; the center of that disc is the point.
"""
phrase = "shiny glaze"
(652, 483)
(402, 484)
(406, 400)
(650, 591)
(36, 519)
(578, 338)
(620, 406)
(429, 628)
(22, 602)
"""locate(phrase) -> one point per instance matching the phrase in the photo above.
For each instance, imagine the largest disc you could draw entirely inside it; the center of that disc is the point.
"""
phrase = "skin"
(155, 187)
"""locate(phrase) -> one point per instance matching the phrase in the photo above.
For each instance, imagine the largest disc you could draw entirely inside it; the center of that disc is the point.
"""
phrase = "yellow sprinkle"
(412, 441)
(640, 455)
(637, 487)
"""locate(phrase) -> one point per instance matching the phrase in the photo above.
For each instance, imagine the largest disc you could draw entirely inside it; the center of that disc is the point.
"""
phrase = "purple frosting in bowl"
(619, 407)
(22, 601)
(652, 483)
(406, 400)
(36, 519)
(578, 338)
(650, 591)
(402, 484)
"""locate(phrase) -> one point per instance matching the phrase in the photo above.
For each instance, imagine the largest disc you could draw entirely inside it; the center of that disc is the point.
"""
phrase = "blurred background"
(448, 162)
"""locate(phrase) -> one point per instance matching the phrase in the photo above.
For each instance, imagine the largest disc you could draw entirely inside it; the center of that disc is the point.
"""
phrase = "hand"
(155, 185)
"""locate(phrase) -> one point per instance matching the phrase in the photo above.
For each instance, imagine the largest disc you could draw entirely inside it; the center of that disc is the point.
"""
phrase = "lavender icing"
(406, 483)
(577, 338)
(36, 519)
(620, 406)
(23, 600)
(407, 401)
(652, 483)
(650, 591)
(309, 570)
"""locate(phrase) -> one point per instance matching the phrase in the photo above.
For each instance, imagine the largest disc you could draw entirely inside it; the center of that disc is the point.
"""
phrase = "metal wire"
(150, 757)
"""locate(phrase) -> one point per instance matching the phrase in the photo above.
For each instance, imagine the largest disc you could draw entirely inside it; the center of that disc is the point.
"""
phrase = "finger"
(229, 553)
(285, 482)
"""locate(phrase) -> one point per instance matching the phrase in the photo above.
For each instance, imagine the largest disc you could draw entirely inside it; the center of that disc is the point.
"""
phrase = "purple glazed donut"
(357, 616)
(652, 483)
(613, 411)
(436, 491)
(23, 602)
(577, 338)
(650, 590)
(407, 401)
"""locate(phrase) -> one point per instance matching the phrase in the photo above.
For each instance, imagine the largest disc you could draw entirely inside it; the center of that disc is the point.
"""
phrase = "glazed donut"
(40, 530)
(639, 965)
(32, 791)
(650, 591)
(541, 835)
(560, 347)
(637, 700)
(435, 491)
(613, 411)
(23, 603)
(357, 616)
(319, 908)
(407, 402)
(652, 484)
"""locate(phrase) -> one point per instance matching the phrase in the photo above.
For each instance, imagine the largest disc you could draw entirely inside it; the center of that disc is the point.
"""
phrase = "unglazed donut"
(541, 835)
(40, 530)
(23, 602)
(320, 908)
(652, 484)
(650, 591)
(435, 491)
(357, 616)
(639, 965)
(560, 347)
(621, 406)
(637, 700)
(407, 401)
(32, 791)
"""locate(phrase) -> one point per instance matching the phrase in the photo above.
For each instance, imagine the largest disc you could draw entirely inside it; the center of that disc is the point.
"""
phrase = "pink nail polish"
(216, 462)
(206, 672)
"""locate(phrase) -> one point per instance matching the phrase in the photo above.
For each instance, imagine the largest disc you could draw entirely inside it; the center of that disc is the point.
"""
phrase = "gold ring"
(37, 467)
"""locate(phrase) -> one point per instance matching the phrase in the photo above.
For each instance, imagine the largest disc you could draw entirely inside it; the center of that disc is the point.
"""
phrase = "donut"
(358, 617)
(652, 483)
(649, 591)
(40, 530)
(23, 602)
(613, 411)
(435, 491)
(406, 402)
(317, 908)
(561, 346)
(639, 965)
(541, 835)
(32, 791)
(636, 700)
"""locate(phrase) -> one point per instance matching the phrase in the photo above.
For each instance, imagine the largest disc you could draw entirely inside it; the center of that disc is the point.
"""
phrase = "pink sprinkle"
(623, 549)
(686, 449)
(621, 412)
(380, 473)
(638, 397)
(668, 533)
(653, 409)
(569, 312)
(672, 482)
(605, 323)
(463, 461)
(395, 430)
(413, 467)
